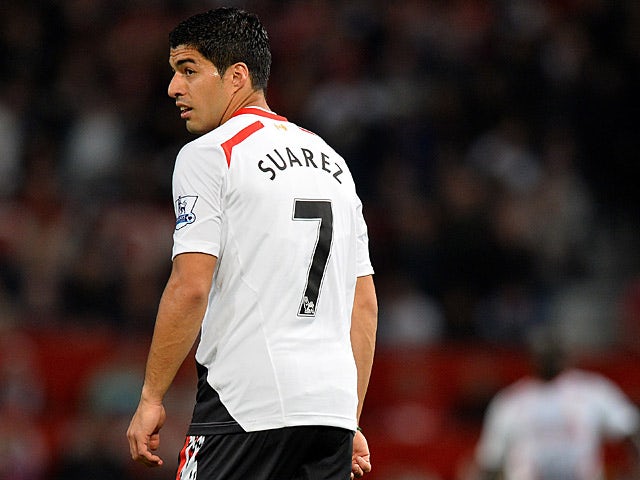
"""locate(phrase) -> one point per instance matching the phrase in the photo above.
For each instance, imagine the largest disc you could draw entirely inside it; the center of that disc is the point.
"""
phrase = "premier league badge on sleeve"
(184, 210)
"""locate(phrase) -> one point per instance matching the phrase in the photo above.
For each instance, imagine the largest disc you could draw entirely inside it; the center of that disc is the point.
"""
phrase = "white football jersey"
(278, 208)
(538, 430)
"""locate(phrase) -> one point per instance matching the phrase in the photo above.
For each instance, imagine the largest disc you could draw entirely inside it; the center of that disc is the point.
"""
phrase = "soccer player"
(270, 266)
(552, 426)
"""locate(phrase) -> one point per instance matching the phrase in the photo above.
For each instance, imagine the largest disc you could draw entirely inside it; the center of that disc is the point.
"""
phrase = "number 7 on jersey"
(320, 211)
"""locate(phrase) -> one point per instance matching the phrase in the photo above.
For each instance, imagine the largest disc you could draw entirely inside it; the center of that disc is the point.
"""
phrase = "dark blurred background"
(495, 146)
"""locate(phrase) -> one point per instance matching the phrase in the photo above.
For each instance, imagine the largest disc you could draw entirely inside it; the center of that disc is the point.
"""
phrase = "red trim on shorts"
(239, 137)
(183, 458)
(260, 112)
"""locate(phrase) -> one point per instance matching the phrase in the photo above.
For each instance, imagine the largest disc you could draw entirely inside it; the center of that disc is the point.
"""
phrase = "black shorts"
(292, 453)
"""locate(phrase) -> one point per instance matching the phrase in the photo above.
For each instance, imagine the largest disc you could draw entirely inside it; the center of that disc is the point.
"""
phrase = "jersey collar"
(260, 112)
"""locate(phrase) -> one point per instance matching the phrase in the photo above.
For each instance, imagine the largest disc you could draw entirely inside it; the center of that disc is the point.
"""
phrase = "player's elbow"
(188, 290)
(193, 293)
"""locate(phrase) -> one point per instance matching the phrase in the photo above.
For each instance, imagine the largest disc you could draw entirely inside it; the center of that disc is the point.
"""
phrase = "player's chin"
(199, 128)
(193, 127)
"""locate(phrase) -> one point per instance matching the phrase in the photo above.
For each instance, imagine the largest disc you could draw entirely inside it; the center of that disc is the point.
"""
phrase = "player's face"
(201, 93)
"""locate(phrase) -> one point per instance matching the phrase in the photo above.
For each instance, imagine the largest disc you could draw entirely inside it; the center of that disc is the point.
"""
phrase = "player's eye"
(188, 72)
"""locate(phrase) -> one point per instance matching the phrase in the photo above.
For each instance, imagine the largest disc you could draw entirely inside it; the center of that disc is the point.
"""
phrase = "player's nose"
(176, 88)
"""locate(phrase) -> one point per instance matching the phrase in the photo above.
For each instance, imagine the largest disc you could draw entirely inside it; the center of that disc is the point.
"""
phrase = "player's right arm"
(178, 323)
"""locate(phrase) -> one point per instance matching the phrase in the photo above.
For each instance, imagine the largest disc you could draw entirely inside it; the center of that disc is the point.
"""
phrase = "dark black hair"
(548, 353)
(226, 36)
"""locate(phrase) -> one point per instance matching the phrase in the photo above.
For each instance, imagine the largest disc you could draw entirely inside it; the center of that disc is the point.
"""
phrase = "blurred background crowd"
(494, 144)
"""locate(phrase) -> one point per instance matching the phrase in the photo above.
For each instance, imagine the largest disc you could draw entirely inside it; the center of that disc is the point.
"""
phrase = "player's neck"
(251, 98)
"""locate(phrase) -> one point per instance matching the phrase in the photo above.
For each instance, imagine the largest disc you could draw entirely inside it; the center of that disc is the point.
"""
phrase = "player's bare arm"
(178, 322)
(364, 322)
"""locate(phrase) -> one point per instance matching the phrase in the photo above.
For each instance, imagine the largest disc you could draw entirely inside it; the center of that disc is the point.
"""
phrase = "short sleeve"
(620, 416)
(492, 446)
(199, 180)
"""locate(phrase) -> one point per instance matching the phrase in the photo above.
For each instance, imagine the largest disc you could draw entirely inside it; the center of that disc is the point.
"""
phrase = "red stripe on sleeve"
(239, 137)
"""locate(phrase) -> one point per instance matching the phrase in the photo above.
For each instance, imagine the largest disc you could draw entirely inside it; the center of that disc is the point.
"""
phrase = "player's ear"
(239, 75)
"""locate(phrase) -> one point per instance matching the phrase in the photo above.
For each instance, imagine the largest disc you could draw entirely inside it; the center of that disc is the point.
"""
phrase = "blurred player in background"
(553, 426)
(271, 267)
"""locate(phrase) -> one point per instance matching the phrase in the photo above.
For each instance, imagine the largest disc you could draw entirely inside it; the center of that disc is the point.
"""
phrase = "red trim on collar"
(260, 112)
(239, 137)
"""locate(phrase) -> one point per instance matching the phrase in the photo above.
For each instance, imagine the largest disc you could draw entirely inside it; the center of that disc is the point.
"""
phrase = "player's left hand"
(361, 458)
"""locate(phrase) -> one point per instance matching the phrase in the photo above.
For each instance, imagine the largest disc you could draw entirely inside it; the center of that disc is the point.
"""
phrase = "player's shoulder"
(196, 146)
(277, 130)
(585, 379)
(518, 391)
(236, 130)
(250, 116)
(199, 158)
(208, 147)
